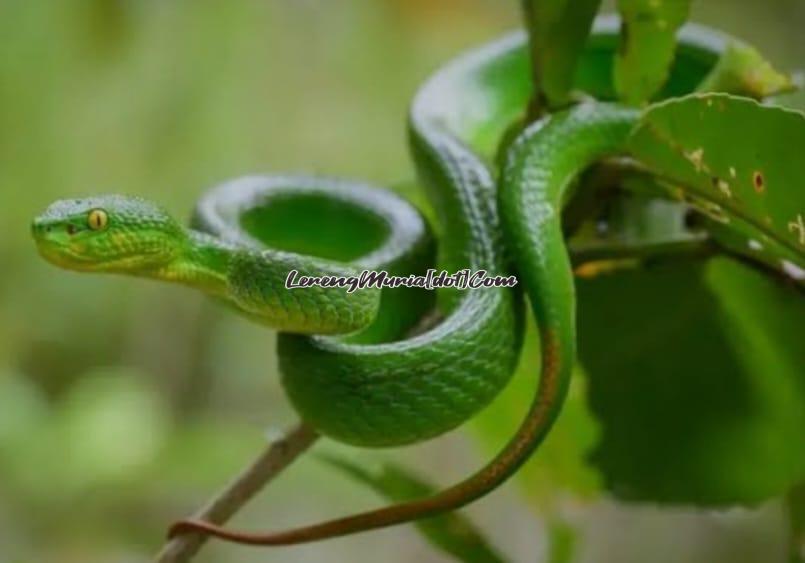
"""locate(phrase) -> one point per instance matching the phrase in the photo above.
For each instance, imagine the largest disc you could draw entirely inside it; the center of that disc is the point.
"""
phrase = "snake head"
(111, 233)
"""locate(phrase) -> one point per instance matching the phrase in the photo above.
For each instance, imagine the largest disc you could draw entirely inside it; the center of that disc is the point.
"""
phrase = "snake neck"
(202, 263)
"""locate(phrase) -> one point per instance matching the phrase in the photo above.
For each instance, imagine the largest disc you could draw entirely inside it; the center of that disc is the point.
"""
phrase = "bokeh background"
(125, 404)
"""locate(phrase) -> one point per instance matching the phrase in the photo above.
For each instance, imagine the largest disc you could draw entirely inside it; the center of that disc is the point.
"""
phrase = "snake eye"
(97, 219)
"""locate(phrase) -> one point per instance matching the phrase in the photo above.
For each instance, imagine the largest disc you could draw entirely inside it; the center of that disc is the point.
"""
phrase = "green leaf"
(451, 533)
(695, 376)
(648, 42)
(740, 163)
(558, 30)
(743, 71)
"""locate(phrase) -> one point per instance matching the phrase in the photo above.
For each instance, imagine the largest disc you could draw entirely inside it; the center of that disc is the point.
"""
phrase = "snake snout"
(48, 231)
(43, 231)
(39, 227)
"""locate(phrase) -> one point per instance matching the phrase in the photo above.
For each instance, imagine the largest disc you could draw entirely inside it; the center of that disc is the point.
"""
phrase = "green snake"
(361, 367)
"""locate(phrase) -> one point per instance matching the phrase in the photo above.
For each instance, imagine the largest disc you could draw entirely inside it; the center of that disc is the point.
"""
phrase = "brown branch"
(278, 455)
(795, 501)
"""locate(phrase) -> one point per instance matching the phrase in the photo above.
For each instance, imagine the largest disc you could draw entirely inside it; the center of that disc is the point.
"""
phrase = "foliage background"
(124, 404)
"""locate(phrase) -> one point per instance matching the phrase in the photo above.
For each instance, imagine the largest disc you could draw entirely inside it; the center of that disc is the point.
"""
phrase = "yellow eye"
(97, 219)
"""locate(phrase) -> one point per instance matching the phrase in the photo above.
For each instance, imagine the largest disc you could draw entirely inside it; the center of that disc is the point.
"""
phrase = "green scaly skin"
(376, 387)
(374, 393)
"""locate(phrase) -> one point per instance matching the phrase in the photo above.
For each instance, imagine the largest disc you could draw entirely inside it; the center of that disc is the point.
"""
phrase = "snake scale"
(360, 367)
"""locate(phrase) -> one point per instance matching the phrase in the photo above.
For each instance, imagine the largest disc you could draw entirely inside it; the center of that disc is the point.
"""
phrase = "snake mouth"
(69, 258)
(65, 256)
(63, 251)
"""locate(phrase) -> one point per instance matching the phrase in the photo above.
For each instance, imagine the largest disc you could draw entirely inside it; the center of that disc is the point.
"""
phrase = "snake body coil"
(349, 364)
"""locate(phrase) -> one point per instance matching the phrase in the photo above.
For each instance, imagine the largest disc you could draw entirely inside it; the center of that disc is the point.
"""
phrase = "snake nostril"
(41, 228)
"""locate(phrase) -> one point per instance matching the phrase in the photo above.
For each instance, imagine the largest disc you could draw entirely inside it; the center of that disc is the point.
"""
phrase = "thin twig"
(795, 501)
(277, 456)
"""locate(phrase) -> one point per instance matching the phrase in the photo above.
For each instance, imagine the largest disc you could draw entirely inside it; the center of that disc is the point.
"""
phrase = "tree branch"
(278, 455)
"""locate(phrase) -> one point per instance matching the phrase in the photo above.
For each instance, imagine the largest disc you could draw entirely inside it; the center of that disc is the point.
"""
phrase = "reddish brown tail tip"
(183, 527)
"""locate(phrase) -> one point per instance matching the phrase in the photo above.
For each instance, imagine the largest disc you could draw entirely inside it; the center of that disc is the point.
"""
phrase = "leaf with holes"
(740, 163)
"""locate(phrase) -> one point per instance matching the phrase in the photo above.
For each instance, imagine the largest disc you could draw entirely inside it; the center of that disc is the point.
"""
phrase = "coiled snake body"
(349, 364)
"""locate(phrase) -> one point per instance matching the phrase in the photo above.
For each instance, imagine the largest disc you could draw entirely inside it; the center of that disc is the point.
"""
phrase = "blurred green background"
(124, 404)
